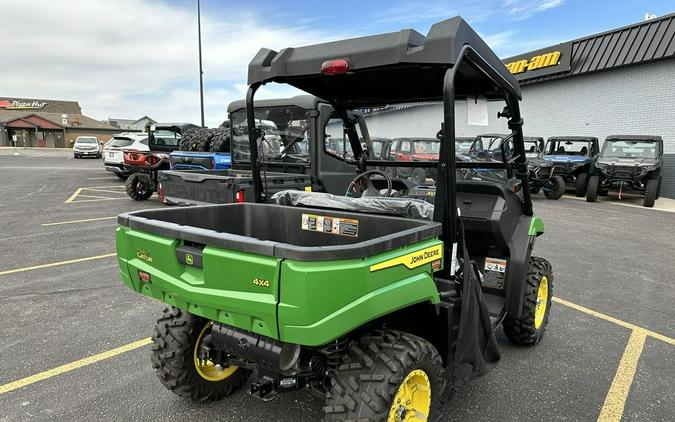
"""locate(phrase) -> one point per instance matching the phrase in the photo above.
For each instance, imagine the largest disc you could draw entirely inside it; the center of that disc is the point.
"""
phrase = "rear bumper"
(116, 168)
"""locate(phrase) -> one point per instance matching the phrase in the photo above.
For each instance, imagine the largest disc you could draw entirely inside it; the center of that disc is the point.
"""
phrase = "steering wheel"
(363, 183)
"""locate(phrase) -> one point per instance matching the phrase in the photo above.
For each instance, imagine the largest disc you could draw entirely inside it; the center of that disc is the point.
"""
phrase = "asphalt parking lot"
(74, 339)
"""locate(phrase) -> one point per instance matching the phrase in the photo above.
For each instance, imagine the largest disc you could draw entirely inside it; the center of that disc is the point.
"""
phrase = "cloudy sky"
(129, 58)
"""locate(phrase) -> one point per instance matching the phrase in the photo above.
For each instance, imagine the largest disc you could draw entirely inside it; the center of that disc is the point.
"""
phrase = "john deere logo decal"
(189, 259)
(536, 62)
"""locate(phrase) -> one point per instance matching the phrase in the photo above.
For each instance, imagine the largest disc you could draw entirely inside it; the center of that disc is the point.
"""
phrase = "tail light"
(335, 67)
(239, 197)
(213, 163)
(160, 192)
(144, 277)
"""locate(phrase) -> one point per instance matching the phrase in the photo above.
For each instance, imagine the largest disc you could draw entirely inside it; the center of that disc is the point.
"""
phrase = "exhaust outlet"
(269, 353)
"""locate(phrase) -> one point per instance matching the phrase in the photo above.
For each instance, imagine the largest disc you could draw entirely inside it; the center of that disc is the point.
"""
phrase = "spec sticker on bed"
(332, 225)
(494, 272)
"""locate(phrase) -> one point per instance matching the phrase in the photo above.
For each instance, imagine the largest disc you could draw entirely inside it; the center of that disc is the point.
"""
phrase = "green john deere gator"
(378, 300)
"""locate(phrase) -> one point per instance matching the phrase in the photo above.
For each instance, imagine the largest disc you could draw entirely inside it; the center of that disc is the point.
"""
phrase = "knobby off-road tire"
(558, 189)
(173, 357)
(220, 140)
(582, 184)
(529, 329)
(196, 139)
(365, 386)
(651, 191)
(592, 190)
(138, 187)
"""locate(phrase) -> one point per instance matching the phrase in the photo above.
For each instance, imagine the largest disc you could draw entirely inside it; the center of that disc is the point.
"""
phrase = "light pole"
(201, 73)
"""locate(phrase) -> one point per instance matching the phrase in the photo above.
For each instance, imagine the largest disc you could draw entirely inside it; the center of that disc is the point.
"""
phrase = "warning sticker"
(494, 272)
(332, 225)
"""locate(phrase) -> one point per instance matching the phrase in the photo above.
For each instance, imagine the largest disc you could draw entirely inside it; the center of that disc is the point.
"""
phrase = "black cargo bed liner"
(275, 230)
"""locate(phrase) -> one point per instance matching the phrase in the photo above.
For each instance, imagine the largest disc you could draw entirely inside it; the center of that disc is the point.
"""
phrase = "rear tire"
(582, 184)
(529, 329)
(366, 387)
(557, 188)
(592, 190)
(418, 176)
(138, 187)
(651, 191)
(176, 336)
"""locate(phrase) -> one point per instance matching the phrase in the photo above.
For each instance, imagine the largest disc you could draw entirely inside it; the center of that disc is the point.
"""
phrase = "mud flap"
(477, 351)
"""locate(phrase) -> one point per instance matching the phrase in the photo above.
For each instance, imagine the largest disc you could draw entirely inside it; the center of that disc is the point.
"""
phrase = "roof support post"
(253, 143)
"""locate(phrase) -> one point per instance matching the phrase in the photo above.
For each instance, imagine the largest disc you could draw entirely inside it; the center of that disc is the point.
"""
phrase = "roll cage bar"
(487, 74)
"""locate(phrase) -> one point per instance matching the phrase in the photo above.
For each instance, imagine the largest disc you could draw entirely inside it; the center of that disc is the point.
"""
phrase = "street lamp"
(201, 73)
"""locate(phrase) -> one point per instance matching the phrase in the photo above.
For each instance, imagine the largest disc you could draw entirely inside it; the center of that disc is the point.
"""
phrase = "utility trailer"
(377, 302)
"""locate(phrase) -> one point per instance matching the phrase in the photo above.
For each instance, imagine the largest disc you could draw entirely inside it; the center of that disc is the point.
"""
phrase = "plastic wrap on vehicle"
(405, 207)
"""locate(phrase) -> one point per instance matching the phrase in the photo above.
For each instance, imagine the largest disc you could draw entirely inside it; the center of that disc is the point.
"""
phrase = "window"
(284, 135)
(123, 142)
(335, 142)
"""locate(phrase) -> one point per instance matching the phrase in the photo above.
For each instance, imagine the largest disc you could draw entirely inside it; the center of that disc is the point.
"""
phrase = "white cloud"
(128, 58)
(523, 9)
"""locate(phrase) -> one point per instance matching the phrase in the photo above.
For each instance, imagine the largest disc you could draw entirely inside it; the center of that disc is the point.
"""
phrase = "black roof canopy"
(389, 68)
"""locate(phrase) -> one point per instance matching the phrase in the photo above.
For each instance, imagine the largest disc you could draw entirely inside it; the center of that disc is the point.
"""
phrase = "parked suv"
(628, 162)
(572, 157)
(86, 146)
(113, 152)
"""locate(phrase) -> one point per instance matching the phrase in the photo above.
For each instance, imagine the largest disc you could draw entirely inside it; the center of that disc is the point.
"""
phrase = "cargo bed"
(255, 266)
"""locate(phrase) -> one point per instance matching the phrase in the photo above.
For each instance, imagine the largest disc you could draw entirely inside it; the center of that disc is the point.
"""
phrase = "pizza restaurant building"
(26, 122)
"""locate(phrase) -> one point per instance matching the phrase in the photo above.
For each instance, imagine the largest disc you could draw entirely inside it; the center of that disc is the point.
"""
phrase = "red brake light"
(144, 277)
(239, 197)
(160, 192)
(335, 67)
(213, 163)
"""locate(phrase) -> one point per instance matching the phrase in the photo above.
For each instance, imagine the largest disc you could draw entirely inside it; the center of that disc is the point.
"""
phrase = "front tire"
(138, 187)
(529, 328)
(387, 376)
(555, 188)
(651, 191)
(175, 341)
(582, 184)
(592, 190)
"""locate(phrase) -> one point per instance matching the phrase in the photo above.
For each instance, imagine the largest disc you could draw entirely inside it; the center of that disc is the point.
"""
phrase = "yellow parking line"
(612, 409)
(56, 264)
(77, 221)
(616, 321)
(73, 365)
(74, 195)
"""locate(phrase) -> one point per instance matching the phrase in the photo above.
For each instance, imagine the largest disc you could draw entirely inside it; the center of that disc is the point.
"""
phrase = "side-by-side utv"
(630, 163)
(377, 300)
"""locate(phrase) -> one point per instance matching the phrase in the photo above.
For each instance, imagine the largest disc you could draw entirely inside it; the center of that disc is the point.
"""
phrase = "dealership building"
(617, 82)
(28, 122)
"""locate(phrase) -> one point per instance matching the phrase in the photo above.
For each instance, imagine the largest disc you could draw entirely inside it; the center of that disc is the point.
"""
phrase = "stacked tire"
(206, 140)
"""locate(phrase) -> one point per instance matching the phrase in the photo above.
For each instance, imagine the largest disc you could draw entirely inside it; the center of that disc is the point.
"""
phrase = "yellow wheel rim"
(207, 369)
(413, 398)
(542, 302)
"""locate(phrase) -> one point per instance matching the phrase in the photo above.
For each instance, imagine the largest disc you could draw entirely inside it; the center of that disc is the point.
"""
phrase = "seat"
(404, 207)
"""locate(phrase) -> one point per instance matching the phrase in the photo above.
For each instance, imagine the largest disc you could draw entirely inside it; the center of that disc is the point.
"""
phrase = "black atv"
(541, 170)
(572, 157)
(628, 163)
